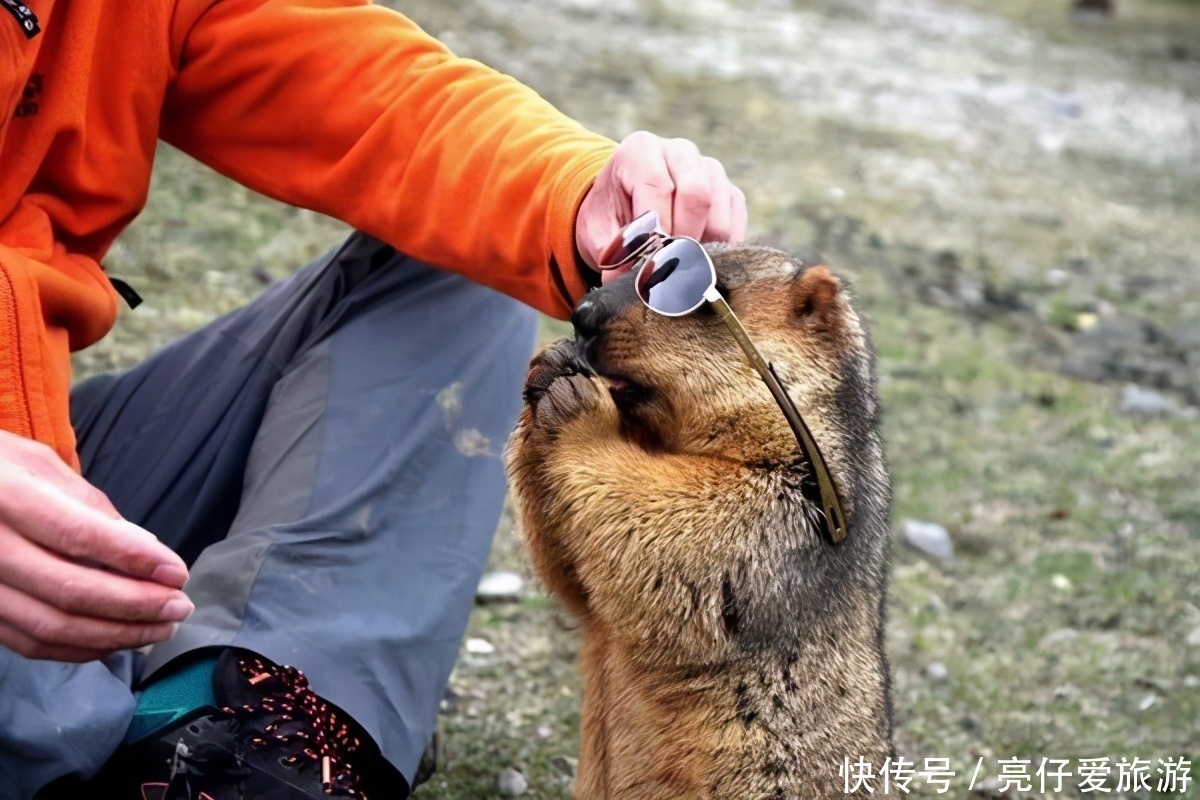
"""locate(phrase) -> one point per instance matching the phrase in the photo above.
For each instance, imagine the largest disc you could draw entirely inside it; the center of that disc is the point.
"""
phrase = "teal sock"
(172, 696)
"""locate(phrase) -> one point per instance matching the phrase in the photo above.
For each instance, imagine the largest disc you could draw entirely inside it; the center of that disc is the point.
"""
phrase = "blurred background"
(1013, 191)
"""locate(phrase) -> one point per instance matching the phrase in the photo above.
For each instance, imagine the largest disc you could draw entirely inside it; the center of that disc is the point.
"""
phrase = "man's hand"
(691, 193)
(77, 581)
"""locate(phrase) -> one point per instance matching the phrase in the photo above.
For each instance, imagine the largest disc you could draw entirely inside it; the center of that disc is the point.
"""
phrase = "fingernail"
(177, 609)
(170, 574)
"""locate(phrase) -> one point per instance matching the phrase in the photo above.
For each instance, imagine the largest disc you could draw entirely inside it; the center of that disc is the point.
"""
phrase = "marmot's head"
(683, 384)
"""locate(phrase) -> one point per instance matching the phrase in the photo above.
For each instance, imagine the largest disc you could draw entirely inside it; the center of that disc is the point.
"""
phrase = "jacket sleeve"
(351, 110)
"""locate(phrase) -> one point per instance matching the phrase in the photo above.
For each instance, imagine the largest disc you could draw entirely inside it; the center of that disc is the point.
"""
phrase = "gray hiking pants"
(328, 461)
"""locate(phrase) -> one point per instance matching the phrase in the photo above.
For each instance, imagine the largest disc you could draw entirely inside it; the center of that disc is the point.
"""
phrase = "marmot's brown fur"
(730, 651)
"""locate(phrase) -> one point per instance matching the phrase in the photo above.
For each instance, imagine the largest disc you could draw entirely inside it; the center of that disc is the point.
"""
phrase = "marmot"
(730, 650)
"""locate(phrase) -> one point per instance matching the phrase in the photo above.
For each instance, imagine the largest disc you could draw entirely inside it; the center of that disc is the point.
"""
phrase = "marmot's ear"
(814, 294)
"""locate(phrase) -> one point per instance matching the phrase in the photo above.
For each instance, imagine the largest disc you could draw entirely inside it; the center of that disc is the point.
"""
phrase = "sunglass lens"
(675, 279)
(632, 240)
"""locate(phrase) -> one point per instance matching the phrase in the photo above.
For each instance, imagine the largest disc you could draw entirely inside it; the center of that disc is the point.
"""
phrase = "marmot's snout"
(600, 305)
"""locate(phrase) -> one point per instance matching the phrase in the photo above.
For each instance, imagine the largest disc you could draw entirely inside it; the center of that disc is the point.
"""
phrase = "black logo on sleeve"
(31, 99)
(24, 16)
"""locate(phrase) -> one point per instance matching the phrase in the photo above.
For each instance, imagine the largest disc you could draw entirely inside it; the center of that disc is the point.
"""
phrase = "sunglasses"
(674, 277)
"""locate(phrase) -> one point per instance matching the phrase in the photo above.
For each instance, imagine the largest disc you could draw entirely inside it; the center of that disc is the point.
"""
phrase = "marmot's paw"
(558, 386)
(560, 359)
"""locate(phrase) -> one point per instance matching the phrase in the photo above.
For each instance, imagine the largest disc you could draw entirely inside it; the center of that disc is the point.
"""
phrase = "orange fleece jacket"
(334, 105)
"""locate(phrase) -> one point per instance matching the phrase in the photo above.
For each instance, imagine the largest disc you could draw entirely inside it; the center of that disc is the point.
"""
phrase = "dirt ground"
(1015, 196)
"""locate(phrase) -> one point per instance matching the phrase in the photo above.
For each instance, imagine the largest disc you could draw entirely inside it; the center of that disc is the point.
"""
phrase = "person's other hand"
(691, 193)
(77, 582)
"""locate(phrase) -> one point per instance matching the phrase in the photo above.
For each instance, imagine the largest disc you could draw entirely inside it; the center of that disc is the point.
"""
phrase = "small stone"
(1100, 436)
(1058, 277)
(480, 647)
(1139, 401)
(989, 786)
(937, 672)
(1148, 702)
(930, 538)
(449, 702)
(565, 764)
(1066, 691)
(1193, 638)
(1061, 582)
(500, 587)
(1058, 636)
(1186, 337)
(511, 783)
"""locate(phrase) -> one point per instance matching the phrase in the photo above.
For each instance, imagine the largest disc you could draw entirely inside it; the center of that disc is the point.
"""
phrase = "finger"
(644, 176)
(65, 526)
(25, 645)
(45, 624)
(738, 214)
(693, 192)
(719, 225)
(84, 591)
(42, 462)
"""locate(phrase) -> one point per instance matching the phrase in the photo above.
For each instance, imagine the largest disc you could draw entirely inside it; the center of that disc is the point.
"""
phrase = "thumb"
(635, 180)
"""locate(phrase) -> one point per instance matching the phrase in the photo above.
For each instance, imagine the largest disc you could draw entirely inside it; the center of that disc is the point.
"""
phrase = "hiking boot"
(270, 737)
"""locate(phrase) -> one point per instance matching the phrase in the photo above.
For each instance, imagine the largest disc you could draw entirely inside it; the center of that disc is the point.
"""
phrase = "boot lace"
(303, 722)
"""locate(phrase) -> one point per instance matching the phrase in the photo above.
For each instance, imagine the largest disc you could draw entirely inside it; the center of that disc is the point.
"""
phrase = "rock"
(1137, 401)
(1061, 582)
(1099, 8)
(930, 538)
(500, 587)
(1187, 338)
(261, 274)
(480, 647)
(1068, 104)
(1122, 347)
(1058, 637)
(989, 787)
(1193, 638)
(511, 783)
(449, 702)
(1058, 277)
(937, 672)
(565, 764)
(970, 724)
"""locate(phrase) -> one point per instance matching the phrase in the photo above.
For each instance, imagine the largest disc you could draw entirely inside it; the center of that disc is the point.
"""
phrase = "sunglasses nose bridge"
(633, 241)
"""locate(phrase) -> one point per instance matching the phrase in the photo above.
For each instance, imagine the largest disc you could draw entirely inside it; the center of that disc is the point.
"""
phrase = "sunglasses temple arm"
(830, 500)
